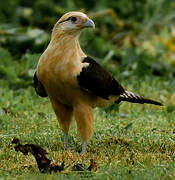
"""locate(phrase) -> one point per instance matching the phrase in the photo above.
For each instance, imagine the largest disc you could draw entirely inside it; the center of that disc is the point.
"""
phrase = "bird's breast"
(59, 76)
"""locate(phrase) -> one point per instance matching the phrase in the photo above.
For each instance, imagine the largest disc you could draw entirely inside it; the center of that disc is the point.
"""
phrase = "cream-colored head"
(72, 23)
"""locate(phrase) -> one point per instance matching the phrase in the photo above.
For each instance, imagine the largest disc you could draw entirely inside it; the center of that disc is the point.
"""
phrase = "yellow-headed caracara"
(74, 82)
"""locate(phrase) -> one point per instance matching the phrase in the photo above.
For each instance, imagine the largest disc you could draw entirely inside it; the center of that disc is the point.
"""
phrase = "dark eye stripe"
(65, 20)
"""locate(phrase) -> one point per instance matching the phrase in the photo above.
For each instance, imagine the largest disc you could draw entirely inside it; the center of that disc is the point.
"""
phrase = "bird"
(74, 82)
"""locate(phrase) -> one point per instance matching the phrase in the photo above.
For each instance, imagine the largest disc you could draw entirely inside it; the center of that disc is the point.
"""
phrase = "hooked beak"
(89, 24)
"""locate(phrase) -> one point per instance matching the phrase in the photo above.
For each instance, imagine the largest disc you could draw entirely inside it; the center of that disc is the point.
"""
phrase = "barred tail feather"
(133, 98)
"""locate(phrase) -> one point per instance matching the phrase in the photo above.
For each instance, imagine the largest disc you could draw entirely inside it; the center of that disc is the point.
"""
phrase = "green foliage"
(17, 74)
(25, 32)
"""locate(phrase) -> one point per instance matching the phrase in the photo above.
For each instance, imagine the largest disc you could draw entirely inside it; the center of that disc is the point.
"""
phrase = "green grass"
(139, 146)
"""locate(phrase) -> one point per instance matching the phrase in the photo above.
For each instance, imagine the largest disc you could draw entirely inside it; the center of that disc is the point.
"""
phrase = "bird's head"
(72, 23)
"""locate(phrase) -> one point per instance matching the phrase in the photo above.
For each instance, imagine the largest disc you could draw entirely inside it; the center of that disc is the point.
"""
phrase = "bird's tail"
(133, 98)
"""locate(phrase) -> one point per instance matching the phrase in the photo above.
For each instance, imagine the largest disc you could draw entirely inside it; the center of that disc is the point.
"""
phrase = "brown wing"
(39, 88)
(97, 80)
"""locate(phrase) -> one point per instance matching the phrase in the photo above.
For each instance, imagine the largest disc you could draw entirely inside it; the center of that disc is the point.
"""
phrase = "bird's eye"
(73, 19)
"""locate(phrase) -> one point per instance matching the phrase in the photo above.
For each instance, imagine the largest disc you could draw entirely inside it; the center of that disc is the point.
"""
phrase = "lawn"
(129, 142)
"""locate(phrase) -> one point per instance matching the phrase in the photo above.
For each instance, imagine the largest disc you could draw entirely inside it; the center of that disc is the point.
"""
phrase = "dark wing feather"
(39, 88)
(98, 81)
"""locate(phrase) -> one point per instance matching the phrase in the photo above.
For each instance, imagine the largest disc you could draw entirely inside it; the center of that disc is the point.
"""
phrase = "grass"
(139, 145)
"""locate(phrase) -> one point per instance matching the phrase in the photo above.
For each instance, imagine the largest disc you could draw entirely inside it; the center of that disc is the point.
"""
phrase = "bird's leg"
(64, 116)
(84, 144)
(84, 119)
(65, 140)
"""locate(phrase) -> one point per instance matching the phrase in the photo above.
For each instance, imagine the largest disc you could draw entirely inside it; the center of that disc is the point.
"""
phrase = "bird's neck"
(66, 43)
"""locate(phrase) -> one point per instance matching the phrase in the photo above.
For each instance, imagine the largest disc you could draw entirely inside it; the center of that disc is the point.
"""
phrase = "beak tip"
(89, 23)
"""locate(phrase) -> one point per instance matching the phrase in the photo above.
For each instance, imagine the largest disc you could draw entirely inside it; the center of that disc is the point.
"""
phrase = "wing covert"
(95, 79)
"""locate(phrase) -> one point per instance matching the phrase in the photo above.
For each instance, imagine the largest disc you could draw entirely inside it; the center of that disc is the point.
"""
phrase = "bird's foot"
(84, 144)
(65, 141)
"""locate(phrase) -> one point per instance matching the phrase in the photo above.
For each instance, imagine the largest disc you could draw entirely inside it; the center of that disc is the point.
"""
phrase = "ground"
(129, 142)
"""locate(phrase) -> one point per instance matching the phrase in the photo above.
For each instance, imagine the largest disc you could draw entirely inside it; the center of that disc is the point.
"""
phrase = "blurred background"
(134, 40)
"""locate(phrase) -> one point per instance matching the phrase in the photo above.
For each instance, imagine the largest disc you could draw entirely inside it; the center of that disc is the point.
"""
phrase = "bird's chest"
(67, 71)
(60, 78)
